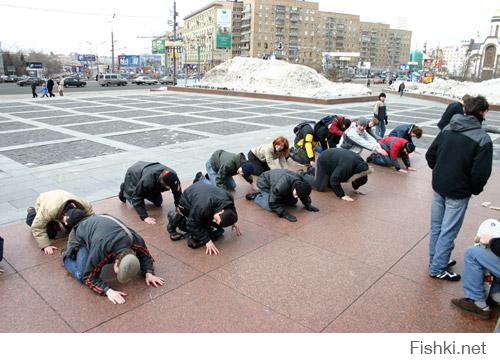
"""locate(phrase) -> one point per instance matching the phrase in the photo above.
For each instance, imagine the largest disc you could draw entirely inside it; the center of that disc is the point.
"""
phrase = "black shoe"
(199, 175)
(494, 306)
(120, 194)
(470, 307)
(251, 196)
(171, 225)
(447, 275)
(369, 159)
(451, 263)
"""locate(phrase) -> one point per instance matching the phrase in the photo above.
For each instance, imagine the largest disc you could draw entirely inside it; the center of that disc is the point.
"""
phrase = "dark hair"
(228, 217)
(382, 95)
(417, 131)
(475, 105)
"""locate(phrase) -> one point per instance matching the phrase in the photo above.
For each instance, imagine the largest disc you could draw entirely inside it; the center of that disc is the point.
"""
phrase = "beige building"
(212, 34)
(296, 31)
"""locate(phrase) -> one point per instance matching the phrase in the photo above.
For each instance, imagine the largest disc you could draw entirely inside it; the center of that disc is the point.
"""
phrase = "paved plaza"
(353, 267)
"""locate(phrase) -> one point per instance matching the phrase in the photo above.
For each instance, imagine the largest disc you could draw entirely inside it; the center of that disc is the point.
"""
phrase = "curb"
(330, 101)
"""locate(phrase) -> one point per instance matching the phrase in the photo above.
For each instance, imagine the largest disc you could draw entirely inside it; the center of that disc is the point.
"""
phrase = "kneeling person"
(335, 166)
(145, 180)
(396, 147)
(204, 211)
(279, 189)
(103, 239)
(52, 209)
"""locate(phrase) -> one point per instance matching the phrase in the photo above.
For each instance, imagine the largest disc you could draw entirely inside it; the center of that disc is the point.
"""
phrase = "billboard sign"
(158, 46)
(224, 20)
(86, 57)
(34, 65)
(404, 67)
(150, 60)
(129, 60)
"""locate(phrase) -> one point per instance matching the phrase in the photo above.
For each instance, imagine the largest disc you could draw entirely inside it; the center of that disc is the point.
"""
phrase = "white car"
(144, 80)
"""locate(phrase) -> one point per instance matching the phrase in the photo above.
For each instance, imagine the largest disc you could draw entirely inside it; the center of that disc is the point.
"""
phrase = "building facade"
(212, 34)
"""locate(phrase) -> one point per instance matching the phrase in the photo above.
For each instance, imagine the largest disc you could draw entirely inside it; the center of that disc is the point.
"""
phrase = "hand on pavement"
(151, 279)
(347, 198)
(211, 249)
(116, 297)
(49, 250)
(403, 171)
(236, 227)
(412, 169)
(150, 220)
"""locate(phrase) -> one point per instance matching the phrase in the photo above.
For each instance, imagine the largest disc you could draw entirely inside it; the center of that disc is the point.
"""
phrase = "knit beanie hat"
(75, 215)
(362, 121)
(410, 147)
(228, 218)
(247, 168)
(169, 178)
(303, 190)
(128, 268)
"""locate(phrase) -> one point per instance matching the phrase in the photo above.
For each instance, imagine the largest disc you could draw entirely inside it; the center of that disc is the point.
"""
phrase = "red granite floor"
(352, 267)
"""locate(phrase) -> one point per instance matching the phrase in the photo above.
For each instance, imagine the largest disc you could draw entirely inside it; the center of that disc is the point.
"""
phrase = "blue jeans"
(381, 128)
(262, 200)
(447, 216)
(212, 175)
(77, 266)
(476, 260)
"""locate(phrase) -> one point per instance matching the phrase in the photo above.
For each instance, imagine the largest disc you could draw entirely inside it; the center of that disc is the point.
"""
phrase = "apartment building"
(212, 34)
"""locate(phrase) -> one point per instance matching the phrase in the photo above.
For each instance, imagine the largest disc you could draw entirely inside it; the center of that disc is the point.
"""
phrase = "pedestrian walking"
(45, 90)
(50, 87)
(380, 113)
(401, 89)
(60, 87)
(455, 177)
(33, 90)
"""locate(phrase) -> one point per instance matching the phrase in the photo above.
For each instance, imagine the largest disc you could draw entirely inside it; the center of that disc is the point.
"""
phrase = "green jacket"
(226, 164)
(50, 207)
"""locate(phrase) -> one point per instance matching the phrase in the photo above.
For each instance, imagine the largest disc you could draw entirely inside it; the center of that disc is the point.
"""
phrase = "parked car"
(378, 80)
(73, 81)
(29, 81)
(110, 79)
(144, 80)
(11, 79)
(167, 80)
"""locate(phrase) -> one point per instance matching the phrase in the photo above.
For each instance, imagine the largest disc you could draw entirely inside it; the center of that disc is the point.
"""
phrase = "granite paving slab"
(71, 119)
(226, 105)
(225, 115)
(24, 108)
(10, 104)
(72, 105)
(98, 128)
(31, 136)
(172, 119)
(156, 138)
(14, 125)
(60, 152)
(99, 109)
(131, 113)
(307, 115)
(224, 127)
(268, 110)
(273, 120)
(38, 114)
(183, 109)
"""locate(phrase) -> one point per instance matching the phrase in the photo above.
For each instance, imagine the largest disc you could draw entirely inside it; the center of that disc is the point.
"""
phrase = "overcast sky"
(69, 26)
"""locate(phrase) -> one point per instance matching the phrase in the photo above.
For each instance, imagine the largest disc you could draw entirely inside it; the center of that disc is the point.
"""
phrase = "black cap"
(228, 218)
(75, 215)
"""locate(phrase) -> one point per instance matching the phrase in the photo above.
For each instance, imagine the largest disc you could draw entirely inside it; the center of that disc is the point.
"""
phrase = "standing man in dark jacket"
(407, 132)
(455, 177)
(102, 239)
(50, 86)
(280, 188)
(145, 180)
(380, 113)
(204, 211)
(33, 90)
(454, 108)
(222, 166)
(335, 166)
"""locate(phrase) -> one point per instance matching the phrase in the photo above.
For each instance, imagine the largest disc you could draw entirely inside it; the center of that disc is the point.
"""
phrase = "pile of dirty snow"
(277, 77)
(454, 89)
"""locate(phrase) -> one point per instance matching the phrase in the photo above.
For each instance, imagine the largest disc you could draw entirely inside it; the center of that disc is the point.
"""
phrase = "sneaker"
(251, 196)
(447, 275)
(451, 263)
(198, 177)
(120, 195)
(470, 307)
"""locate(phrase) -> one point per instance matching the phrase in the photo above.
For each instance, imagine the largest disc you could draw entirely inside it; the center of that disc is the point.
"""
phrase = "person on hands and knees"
(103, 239)
(52, 213)
(356, 138)
(279, 189)
(147, 180)
(204, 211)
(396, 148)
(336, 166)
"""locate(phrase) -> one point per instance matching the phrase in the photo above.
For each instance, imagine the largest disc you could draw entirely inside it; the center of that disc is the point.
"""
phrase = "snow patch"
(277, 77)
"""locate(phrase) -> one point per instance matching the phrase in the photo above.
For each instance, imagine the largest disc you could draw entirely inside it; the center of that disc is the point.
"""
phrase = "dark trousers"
(259, 166)
(317, 178)
(50, 92)
(382, 160)
(35, 95)
(52, 227)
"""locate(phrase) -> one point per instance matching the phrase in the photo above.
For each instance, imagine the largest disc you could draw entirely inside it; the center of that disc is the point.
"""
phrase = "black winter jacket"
(340, 165)
(461, 157)
(199, 203)
(226, 164)
(105, 239)
(455, 108)
(142, 180)
(403, 131)
(280, 183)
